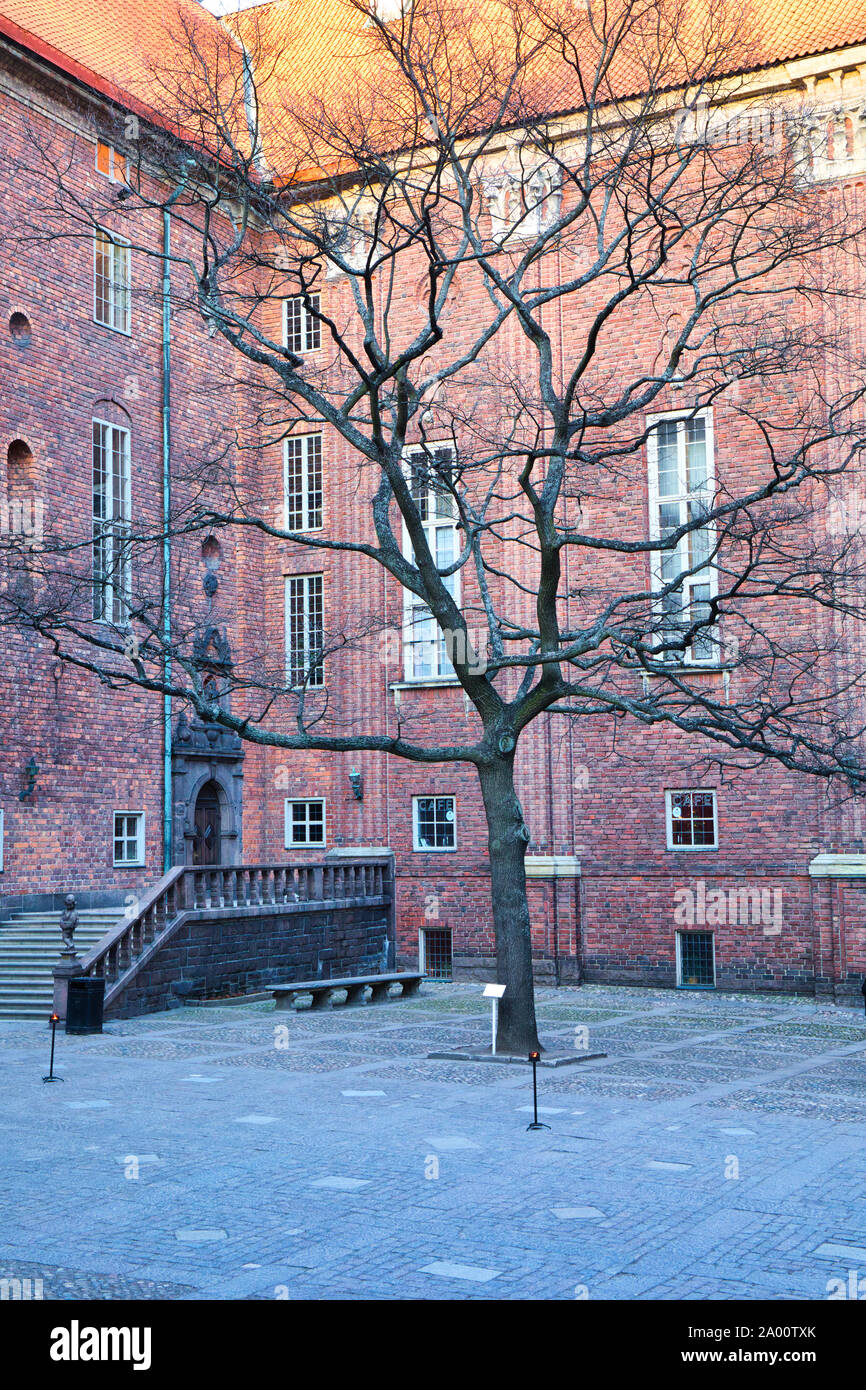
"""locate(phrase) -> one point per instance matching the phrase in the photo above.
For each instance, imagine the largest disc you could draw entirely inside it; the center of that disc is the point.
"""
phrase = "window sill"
(122, 332)
(449, 682)
(693, 849)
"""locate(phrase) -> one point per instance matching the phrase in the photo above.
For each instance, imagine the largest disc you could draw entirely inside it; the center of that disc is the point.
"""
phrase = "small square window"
(692, 822)
(435, 823)
(696, 960)
(304, 823)
(111, 163)
(129, 838)
(436, 953)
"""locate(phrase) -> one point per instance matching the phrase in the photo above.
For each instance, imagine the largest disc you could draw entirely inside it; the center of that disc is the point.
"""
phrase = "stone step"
(30, 945)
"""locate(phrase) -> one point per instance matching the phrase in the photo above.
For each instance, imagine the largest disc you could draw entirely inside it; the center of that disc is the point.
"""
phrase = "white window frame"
(415, 612)
(433, 849)
(110, 604)
(115, 161)
(289, 822)
(118, 294)
(139, 860)
(669, 820)
(311, 328)
(679, 950)
(708, 576)
(311, 445)
(315, 678)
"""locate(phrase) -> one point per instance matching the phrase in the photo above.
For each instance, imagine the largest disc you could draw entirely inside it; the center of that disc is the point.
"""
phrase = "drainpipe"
(167, 804)
(167, 807)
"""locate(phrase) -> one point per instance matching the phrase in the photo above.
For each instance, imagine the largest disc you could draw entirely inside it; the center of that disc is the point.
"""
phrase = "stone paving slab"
(205, 1153)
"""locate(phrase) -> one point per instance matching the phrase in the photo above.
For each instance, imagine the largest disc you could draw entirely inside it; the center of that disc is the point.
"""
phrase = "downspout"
(167, 799)
(167, 806)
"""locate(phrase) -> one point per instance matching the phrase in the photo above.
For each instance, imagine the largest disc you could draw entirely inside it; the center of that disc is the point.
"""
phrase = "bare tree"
(519, 233)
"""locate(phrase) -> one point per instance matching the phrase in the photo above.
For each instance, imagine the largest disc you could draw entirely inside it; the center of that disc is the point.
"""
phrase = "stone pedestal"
(66, 967)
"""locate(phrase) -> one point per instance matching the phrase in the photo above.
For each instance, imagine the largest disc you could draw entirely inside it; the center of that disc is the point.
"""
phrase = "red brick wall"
(595, 790)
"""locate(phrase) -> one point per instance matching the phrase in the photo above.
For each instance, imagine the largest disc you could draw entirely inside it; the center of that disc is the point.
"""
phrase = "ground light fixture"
(534, 1058)
(53, 1020)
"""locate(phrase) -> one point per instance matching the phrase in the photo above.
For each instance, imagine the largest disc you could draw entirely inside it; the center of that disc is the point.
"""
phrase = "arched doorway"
(207, 842)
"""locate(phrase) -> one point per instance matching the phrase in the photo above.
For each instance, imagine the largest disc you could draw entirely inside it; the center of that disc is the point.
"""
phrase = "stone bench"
(354, 986)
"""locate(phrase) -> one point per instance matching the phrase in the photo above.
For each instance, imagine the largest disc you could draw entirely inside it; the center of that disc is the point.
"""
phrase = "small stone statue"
(68, 923)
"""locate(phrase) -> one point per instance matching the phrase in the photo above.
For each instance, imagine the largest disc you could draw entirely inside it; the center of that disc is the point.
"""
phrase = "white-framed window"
(129, 838)
(302, 482)
(111, 281)
(302, 331)
(681, 491)
(425, 653)
(434, 823)
(692, 820)
(696, 960)
(110, 163)
(304, 630)
(304, 822)
(111, 522)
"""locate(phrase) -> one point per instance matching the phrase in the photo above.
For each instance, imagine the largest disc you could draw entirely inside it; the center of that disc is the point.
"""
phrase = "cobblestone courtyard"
(718, 1151)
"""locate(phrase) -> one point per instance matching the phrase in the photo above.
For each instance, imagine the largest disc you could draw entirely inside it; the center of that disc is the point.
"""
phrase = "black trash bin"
(84, 1004)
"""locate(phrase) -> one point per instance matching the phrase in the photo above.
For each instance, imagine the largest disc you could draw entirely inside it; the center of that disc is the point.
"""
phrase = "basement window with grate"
(696, 961)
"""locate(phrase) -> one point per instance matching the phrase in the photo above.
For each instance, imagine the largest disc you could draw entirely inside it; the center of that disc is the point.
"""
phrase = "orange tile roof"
(110, 45)
(315, 47)
(312, 51)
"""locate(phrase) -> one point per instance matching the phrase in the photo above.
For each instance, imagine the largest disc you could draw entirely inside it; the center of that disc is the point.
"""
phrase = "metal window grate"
(697, 960)
(437, 953)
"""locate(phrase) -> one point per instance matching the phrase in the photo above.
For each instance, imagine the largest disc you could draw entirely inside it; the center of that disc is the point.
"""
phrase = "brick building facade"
(768, 898)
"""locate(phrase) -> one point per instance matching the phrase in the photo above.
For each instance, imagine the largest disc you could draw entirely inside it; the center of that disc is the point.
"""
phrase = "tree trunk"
(507, 838)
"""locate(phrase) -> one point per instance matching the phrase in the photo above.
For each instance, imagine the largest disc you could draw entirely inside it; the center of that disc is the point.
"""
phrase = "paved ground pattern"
(717, 1152)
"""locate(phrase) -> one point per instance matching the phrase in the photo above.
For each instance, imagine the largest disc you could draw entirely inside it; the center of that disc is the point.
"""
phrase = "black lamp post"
(54, 1020)
(534, 1059)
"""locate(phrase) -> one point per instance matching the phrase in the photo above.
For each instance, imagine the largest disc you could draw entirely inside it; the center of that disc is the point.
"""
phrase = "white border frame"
(306, 318)
(435, 796)
(691, 849)
(117, 240)
(138, 863)
(109, 585)
(410, 599)
(656, 582)
(320, 684)
(289, 843)
(302, 530)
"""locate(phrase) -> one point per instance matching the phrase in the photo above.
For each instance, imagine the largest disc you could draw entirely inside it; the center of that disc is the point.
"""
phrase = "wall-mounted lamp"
(31, 772)
(357, 782)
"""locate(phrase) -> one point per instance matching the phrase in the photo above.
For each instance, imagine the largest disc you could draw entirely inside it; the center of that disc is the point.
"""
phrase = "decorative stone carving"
(68, 923)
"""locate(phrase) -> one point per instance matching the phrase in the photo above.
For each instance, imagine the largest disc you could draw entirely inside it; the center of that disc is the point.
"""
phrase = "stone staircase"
(30, 945)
